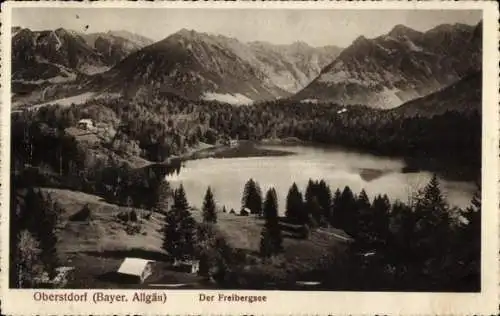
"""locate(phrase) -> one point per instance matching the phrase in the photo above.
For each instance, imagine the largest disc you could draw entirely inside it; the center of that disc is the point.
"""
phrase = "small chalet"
(189, 266)
(233, 143)
(135, 269)
(85, 124)
(245, 211)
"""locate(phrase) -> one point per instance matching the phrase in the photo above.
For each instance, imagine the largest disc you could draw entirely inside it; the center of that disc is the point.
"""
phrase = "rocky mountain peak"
(388, 70)
(401, 31)
(360, 40)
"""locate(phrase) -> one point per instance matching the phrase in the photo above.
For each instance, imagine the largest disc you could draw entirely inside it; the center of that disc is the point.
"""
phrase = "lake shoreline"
(451, 170)
(243, 149)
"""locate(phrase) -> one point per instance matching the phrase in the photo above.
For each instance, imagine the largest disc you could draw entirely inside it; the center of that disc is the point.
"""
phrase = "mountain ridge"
(402, 65)
(199, 65)
(462, 96)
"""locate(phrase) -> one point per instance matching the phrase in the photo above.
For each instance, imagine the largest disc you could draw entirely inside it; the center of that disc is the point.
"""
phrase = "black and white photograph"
(245, 149)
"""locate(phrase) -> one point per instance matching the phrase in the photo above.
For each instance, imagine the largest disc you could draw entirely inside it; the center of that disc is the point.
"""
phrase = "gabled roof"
(133, 266)
(87, 121)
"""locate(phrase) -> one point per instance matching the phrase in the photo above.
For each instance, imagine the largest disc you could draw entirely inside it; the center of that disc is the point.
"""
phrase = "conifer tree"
(294, 205)
(163, 197)
(271, 205)
(179, 230)
(324, 195)
(312, 202)
(334, 207)
(432, 197)
(432, 221)
(271, 238)
(473, 214)
(315, 212)
(310, 191)
(403, 222)
(209, 207)
(363, 200)
(180, 201)
(40, 216)
(366, 230)
(252, 197)
(468, 245)
(346, 212)
(380, 209)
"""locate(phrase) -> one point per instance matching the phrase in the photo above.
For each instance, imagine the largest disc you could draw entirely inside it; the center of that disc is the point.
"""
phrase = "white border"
(20, 302)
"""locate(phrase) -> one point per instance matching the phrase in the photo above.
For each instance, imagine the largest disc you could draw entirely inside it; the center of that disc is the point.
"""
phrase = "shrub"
(133, 216)
(82, 215)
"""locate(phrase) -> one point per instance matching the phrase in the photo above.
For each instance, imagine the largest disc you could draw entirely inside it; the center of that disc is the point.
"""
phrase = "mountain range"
(197, 65)
(60, 55)
(399, 66)
(383, 72)
(187, 63)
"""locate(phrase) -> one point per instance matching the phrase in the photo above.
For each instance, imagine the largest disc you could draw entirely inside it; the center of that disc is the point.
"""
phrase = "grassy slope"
(97, 247)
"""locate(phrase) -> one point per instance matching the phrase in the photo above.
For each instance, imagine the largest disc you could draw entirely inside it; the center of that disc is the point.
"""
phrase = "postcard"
(264, 158)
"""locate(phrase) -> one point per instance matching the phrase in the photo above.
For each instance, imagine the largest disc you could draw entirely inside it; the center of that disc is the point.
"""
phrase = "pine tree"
(247, 189)
(310, 191)
(366, 230)
(380, 208)
(313, 207)
(473, 214)
(163, 197)
(363, 201)
(180, 201)
(402, 232)
(315, 212)
(468, 245)
(346, 212)
(252, 197)
(324, 195)
(179, 230)
(271, 238)
(335, 204)
(209, 207)
(271, 205)
(39, 217)
(432, 197)
(432, 221)
(294, 205)
(257, 200)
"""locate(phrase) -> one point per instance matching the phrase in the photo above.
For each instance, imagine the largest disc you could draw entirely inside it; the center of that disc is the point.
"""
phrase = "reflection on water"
(377, 175)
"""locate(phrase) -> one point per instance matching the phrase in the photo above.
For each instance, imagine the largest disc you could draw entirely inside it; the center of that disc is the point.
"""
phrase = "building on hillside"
(86, 124)
(342, 111)
(190, 266)
(245, 211)
(135, 269)
(233, 143)
(64, 275)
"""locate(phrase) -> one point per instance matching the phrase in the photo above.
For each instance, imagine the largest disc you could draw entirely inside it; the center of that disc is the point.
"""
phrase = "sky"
(278, 26)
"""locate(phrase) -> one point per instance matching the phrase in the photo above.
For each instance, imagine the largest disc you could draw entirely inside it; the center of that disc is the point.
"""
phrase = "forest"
(164, 127)
(413, 245)
(420, 245)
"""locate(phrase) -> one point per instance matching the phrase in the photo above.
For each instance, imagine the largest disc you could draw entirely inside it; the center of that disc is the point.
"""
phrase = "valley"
(273, 166)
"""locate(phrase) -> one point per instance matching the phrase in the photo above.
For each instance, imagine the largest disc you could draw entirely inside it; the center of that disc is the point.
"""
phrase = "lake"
(337, 166)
